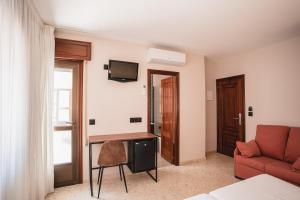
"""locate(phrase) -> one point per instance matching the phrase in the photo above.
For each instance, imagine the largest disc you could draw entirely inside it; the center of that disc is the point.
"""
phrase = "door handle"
(239, 118)
(73, 124)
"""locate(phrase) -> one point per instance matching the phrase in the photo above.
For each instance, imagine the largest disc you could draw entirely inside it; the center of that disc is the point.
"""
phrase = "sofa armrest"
(236, 152)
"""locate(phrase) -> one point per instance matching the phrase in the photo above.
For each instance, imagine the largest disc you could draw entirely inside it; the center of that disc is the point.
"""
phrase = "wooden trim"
(72, 49)
(62, 128)
(162, 72)
(97, 139)
(80, 118)
(242, 76)
(80, 113)
(77, 51)
(177, 133)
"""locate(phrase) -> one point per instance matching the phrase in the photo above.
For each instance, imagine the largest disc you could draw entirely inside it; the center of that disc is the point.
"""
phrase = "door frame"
(79, 153)
(79, 148)
(177, 132)
(77, 51)
(242, 77)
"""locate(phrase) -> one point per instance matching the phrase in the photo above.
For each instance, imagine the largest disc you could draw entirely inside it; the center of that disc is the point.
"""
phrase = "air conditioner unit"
(160, 56)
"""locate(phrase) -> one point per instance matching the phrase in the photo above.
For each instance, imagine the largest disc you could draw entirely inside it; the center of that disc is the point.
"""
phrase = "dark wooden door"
(169, 112)
(230, 113)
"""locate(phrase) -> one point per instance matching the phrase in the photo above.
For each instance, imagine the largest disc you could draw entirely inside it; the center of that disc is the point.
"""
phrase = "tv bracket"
(105, 66)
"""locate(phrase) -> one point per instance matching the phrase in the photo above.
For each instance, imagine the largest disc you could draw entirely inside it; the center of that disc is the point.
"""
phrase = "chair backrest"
(112, 153)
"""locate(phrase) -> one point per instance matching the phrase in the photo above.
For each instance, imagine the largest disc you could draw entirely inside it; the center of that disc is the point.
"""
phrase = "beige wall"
(112, 103)
(272, 77)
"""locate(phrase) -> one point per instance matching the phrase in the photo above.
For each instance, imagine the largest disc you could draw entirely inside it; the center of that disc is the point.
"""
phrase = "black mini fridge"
(141, 155)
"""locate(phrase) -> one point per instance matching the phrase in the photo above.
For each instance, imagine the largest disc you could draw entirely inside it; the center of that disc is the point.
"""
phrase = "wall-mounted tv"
(122, 71)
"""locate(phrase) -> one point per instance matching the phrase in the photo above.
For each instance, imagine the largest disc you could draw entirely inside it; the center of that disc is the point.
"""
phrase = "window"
(62, 105)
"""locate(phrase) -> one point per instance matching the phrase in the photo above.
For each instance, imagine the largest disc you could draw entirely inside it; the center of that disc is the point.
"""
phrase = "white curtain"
(26, 71)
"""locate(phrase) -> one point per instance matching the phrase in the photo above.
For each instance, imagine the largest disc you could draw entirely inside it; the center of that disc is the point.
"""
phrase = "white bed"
(261, 187)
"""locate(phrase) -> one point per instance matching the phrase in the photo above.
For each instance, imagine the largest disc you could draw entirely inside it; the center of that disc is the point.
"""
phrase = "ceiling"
(207, 27)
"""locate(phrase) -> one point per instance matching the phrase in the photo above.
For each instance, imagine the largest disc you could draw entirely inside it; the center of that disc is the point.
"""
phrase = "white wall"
(112, 103)
(272, 78)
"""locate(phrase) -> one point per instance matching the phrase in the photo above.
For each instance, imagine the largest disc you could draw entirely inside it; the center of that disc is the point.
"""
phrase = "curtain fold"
(26, 73)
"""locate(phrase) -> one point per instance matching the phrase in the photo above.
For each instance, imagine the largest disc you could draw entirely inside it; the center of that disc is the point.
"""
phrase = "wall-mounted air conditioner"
(160, 56)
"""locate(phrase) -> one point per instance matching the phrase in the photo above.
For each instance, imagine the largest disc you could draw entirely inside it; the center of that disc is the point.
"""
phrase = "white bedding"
(261, 187)
(202, 197)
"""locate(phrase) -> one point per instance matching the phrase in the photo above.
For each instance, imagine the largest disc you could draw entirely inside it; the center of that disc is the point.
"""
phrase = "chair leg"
(99, 174)
(100, 182)
(120, 172)
(124, 178)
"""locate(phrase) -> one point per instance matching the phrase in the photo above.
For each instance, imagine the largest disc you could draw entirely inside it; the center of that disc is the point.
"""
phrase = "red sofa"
(280, 148)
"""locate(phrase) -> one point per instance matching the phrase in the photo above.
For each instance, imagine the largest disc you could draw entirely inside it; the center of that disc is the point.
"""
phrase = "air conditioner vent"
(160, 56)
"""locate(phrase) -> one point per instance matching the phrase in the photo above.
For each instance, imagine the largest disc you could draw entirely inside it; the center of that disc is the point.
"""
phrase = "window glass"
(62, 147)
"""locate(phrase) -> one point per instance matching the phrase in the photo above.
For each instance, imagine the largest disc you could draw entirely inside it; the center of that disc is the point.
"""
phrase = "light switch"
(92, 121)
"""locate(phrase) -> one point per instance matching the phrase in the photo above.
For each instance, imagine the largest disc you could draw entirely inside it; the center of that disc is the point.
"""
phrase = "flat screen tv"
(122, 71)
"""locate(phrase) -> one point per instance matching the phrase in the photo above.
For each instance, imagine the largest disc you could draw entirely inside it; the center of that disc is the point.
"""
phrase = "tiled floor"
(174, 182)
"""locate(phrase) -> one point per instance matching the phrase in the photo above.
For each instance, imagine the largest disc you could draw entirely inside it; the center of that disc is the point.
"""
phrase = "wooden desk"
(98, 139)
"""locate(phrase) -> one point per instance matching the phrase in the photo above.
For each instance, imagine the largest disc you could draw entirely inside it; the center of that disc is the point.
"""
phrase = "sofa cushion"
(296, 165)
(255, 162)
(284, 171)
(292, 151)
(272, 140)
(249, 149)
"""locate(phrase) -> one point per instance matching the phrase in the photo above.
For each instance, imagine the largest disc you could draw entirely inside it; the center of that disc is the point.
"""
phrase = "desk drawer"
(141, 155)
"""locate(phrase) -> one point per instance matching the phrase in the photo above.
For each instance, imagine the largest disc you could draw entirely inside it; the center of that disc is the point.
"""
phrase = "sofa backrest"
(292, 151)
(272, 140)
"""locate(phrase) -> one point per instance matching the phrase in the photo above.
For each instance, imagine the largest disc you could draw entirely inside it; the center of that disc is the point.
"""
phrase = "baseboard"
(192, 161)
(210, 152)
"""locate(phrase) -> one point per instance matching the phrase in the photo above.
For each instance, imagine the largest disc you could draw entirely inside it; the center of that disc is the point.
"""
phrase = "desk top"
(124, 137)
